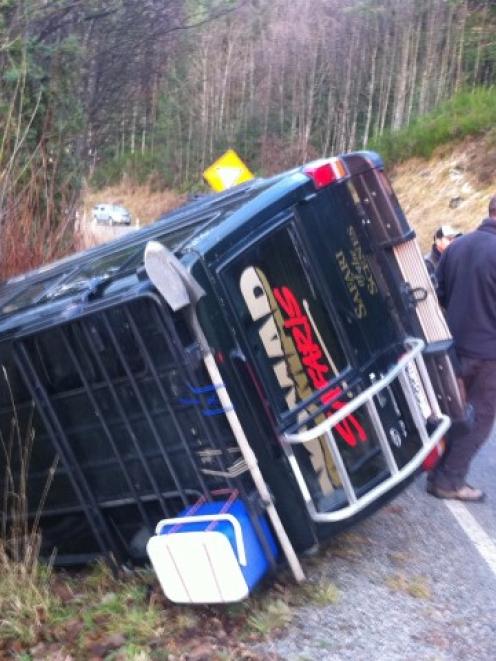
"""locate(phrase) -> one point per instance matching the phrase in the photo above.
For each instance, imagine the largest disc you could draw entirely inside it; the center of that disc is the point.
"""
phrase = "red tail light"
(325, 172)
(432, 459)
(219, 357)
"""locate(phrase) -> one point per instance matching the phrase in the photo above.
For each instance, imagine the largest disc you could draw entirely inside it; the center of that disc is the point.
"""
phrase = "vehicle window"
(331, 227)
(29, 294)
(288, 332)
(105, 266)
(93, 345)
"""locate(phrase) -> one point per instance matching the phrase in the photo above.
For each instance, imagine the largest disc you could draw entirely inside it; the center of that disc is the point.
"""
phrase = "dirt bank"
(453, 187)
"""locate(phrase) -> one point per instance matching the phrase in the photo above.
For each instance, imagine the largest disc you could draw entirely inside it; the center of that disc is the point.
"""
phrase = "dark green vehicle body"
(108, 414)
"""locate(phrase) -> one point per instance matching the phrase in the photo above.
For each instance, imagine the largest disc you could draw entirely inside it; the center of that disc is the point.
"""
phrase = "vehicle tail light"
(430, 462)
(325, 171)
(220, 358)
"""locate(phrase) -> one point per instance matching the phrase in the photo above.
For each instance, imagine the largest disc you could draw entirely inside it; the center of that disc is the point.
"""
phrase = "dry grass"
(144, 203)
(38, 182)
(97, 615)
(323, 593)
(25, 585)
(463, 176)
(416, 586)
(348, 545)
(26, 243)
(25, 599)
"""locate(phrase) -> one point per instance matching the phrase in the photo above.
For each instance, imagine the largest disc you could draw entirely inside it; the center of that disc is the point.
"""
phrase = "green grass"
(467, 113)
(276, 614)
(95, 614)
(321, 593)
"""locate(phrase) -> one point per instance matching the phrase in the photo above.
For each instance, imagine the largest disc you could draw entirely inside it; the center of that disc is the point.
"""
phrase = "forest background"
(154, 90)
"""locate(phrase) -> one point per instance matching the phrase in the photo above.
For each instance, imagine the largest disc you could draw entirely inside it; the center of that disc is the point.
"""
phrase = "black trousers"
(479, 377)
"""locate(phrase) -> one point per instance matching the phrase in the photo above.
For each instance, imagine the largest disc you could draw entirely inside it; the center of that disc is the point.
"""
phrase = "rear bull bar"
(411, 358)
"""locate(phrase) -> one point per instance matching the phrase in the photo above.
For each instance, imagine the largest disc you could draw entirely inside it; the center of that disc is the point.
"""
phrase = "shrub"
(470, 112)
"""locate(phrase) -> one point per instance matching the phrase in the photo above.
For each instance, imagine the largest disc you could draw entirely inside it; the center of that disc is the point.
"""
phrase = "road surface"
(417, 581)
(92, 233)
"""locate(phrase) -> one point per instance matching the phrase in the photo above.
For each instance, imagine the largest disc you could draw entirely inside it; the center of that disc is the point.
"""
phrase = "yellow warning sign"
(227, 171)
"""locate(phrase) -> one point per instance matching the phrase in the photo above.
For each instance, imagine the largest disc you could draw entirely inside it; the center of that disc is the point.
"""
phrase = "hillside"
(97, 89)
(452, 187)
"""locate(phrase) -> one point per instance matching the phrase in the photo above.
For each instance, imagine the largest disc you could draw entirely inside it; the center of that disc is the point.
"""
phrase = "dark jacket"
(432, 259)
(466, 276)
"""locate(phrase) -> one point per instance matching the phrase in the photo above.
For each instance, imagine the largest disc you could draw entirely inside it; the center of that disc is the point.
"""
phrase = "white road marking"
(477, 535)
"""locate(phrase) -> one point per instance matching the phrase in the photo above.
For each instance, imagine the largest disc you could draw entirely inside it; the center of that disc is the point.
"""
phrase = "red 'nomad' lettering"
(313, 359)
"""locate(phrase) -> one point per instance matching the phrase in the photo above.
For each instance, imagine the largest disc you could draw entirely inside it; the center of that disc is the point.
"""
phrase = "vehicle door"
(299, 325)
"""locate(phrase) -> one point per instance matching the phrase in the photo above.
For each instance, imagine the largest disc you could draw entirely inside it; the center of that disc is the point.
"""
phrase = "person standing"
(466, 276)
(443, 237)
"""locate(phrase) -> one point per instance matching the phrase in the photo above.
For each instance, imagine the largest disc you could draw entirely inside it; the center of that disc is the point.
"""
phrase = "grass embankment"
(92, 614)
(468, 113)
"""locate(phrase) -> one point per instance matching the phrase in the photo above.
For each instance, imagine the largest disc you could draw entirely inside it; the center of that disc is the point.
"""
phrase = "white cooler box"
(211, 556)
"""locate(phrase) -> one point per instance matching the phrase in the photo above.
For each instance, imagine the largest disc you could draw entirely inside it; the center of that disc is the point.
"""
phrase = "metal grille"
(122, 398)
(429, 431)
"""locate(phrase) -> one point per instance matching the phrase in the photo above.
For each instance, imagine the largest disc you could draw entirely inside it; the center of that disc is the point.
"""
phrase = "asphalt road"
(93, 233)
(416, 581)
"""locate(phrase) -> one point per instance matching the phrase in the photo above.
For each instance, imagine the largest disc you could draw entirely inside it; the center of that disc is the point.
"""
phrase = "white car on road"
(111, 214)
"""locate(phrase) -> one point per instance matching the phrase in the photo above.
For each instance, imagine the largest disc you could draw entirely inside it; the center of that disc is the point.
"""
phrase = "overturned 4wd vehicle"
(278, 346)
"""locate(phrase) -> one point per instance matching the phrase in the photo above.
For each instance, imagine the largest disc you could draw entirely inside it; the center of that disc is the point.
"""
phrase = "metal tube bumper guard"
(412, 357)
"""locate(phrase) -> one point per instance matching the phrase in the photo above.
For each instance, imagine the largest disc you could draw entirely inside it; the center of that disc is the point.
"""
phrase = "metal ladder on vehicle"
(411, 360)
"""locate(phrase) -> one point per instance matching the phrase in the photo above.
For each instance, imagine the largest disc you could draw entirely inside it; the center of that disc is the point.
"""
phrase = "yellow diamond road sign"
(227, 171)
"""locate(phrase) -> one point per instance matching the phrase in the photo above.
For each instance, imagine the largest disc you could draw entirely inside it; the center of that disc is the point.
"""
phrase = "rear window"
(292, 342)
